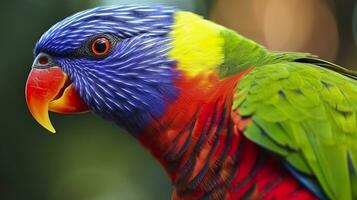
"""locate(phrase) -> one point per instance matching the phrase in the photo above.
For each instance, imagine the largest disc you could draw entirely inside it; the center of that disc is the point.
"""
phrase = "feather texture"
(311, 123)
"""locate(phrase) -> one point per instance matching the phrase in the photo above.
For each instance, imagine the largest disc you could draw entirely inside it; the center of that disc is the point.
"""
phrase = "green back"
(302, 108)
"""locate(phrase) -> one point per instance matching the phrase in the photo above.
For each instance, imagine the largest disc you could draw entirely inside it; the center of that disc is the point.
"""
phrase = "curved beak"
(50, 89)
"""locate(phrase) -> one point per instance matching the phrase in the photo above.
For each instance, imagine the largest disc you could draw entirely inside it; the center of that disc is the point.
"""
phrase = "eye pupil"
(43, 60)
(100, 46)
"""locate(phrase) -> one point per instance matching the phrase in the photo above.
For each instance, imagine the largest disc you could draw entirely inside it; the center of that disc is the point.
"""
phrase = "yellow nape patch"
(197, 44)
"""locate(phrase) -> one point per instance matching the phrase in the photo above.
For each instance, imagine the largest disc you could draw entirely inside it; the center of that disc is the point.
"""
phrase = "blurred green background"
(90, 159)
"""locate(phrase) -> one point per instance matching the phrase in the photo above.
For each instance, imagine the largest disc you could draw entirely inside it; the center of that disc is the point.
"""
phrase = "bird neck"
(195, 132)
(200, 144)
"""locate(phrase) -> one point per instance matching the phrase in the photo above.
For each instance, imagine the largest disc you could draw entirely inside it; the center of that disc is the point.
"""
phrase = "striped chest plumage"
(199, 142)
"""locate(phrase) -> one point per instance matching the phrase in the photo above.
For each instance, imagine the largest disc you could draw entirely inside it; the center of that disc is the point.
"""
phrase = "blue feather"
(134, 84)
(309, 182)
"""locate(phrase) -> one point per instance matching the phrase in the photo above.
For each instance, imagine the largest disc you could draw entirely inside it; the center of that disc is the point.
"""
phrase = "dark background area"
(91, 159)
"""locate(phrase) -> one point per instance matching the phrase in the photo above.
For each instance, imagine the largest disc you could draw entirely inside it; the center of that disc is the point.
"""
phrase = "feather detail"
(197, 44)
(305, 113)
(204, 151)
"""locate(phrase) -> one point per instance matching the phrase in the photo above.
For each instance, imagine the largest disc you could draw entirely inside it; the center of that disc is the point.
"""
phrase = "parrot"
(224, 116)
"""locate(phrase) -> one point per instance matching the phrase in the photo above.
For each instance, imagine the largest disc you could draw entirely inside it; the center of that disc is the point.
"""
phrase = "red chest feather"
(200, 143)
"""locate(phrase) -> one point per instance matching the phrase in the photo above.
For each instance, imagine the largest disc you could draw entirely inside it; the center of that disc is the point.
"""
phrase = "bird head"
(121, 62)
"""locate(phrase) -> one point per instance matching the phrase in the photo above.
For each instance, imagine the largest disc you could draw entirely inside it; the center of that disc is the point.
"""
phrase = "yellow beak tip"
(47, 125)
(51, 129)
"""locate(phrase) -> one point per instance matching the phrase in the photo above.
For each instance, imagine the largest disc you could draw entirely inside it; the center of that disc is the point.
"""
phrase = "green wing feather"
(302, 108)
(305, 111)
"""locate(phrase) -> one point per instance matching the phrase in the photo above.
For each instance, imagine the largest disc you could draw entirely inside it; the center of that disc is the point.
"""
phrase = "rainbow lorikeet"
(225, 117)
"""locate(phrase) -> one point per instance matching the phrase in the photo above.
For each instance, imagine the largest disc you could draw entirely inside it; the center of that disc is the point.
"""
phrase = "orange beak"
(49, 89)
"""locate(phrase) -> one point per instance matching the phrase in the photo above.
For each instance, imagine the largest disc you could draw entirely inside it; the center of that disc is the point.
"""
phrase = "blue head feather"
(133, 84)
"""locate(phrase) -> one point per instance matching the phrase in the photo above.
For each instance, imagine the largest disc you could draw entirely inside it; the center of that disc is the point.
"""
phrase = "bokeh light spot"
(280, 25)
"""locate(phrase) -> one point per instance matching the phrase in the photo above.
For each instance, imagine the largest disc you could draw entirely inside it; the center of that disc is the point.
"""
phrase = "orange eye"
(100, 46)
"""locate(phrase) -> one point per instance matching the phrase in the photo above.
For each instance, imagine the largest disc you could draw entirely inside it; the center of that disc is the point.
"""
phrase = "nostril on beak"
(43, 60)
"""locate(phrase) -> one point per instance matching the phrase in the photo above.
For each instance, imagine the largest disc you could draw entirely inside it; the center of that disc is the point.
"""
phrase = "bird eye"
(100, 46)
